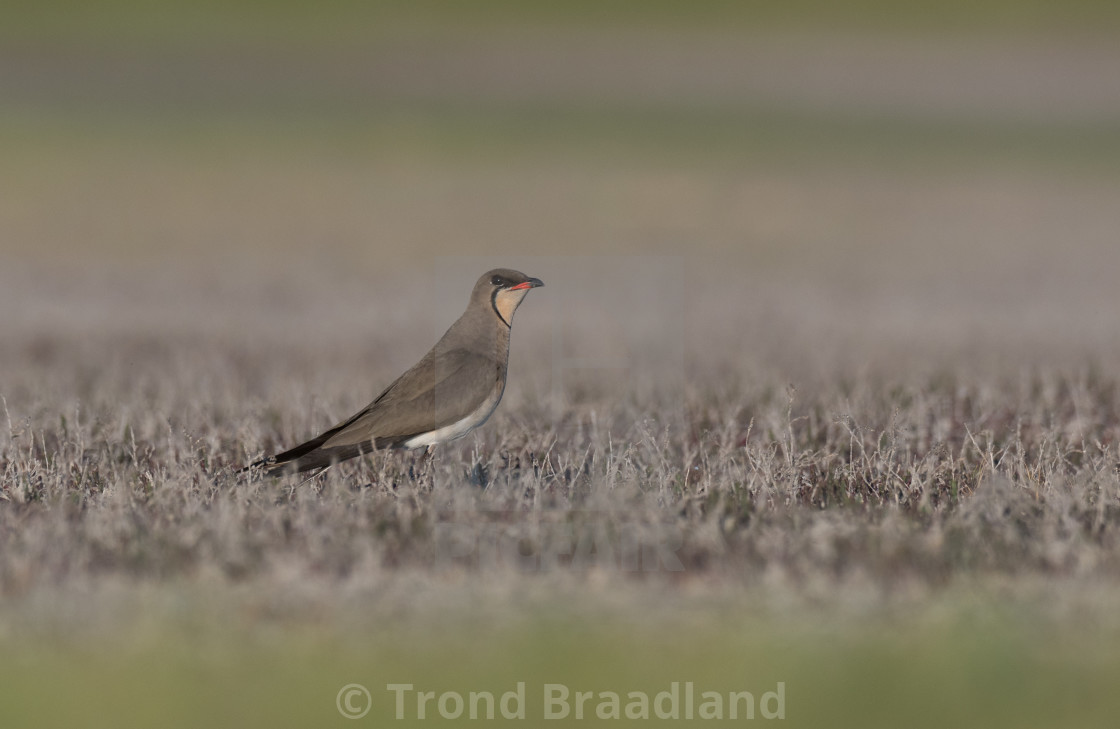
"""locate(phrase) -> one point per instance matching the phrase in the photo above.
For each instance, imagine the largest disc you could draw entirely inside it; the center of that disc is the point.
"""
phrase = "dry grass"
(118, 450)
(907, 519)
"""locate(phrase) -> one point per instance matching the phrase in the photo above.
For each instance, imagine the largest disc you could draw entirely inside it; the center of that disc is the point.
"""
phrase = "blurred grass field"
(161, 20)
(830, 296)
(968, 667)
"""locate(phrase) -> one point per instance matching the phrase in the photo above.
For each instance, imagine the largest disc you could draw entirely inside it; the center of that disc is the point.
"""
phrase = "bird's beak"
(530, 284)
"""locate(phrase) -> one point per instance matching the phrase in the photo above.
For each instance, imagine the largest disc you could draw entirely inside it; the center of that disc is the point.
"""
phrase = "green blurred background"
(388, 130)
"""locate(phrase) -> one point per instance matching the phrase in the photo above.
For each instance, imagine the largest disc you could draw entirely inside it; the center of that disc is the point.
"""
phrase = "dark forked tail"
(307, 456)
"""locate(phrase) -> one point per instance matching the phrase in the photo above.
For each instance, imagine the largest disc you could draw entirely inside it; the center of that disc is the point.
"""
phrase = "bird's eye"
(496, 280)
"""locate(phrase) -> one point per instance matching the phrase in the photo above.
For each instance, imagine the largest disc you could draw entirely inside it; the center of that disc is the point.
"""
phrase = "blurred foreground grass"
(945, 664)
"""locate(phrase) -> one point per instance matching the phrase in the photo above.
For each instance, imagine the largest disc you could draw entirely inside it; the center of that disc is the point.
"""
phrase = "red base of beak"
(530, 284)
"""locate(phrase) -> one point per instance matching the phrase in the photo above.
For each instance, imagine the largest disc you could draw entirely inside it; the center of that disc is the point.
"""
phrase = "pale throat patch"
(507, 301)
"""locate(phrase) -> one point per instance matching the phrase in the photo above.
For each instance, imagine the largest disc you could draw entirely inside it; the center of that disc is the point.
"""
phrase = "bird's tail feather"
(303, 458)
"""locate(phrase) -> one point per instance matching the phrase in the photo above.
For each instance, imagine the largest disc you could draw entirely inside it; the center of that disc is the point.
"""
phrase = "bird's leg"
(425, 476)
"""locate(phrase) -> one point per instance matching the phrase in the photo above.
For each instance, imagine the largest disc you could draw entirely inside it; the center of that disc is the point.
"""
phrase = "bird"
(452, 390)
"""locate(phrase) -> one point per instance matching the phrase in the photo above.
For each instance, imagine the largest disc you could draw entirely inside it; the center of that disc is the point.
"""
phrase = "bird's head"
(504, 289)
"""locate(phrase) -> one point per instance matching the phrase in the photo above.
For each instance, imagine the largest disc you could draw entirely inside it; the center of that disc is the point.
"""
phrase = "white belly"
(459, 428)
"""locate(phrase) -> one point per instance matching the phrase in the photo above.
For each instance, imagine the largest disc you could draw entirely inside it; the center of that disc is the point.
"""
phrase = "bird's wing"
(440, 390)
